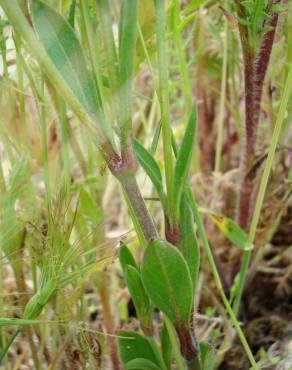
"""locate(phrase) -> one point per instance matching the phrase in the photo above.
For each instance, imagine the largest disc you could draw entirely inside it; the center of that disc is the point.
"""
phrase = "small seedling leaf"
(184, 160)
(139, 296)
(149, 164)
(166, 346)
(133, 345)
(164, 272)
(126, 257)
(207, 357)
(141, 364)
(231, 230)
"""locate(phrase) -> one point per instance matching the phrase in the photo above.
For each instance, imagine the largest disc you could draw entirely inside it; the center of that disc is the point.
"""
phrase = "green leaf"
(18, 176)
(141, 364)
(155, 139)
(140, 298)
(231, 230)
(151, 167)
(89, 209)
(189, 244)
(71, 15)
(164, 272)
(127, 47)
(133, 345)
(184, 160)
(5, 321)
(185, 22)
(65, 51)
(166, 347)
(193, 6)
(207, 356)
(126, 257)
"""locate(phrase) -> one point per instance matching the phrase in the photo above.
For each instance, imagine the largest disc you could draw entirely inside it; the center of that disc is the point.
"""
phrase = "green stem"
(217, 280)
(262, 188)
(139, 208)
(186, 84)
(164, 101)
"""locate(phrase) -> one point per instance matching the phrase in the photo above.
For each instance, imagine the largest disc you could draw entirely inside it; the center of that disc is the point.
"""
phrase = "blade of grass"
(127, 47)
(164, 101)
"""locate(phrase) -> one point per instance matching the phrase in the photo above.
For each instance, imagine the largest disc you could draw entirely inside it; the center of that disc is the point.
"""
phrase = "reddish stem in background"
(255, 67)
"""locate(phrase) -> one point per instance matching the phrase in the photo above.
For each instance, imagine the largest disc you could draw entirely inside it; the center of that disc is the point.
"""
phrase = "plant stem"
(255, 68)
(217, 280)
(164, 102)
(222, 99)
(263, 187)
(136, 200)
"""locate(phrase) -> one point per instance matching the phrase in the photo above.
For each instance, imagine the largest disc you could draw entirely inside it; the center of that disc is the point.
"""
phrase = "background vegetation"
(145, 184)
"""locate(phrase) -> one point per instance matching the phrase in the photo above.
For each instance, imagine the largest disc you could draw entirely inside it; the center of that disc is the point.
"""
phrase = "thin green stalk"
(65, 147)
(8, 344)
(186, 84)
(110, 52)
(127, 48)
(262, 189)
(218, 283)
(164, 100)
(222, 99)
(45, 153)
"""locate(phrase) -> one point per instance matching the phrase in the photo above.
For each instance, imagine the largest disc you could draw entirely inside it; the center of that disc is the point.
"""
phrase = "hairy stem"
(255, 68)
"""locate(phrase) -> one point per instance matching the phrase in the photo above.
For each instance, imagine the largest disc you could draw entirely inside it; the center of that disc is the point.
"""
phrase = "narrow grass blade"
(151, 167)
(127, 47)
(184, 161)
(189, 244)
(126, 258)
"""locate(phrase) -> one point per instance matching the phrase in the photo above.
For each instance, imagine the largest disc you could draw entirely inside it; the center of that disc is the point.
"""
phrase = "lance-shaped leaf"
(189, 243)
(135, 346)
(167, 280)
(64, 49)
(149, 164)
(126, 257)
(207, 356)
(140, 298)
(136, 288)
(127, 47)
(166, 346)
(184, 160)
(231, 231)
